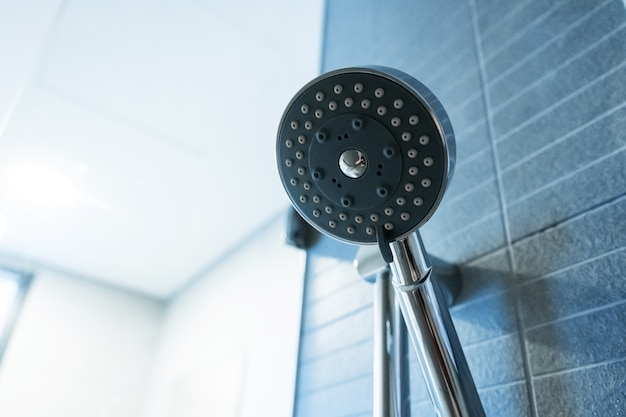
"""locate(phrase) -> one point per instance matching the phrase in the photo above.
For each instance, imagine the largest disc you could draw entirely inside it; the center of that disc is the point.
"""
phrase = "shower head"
(365, 154)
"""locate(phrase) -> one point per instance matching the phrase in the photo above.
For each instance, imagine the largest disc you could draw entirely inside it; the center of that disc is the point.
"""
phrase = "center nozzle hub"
(365, 161)
(353, 163)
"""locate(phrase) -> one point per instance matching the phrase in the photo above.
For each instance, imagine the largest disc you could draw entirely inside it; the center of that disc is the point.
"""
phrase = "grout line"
(486, 342)
(312, 359)
(425, 60)
(501, 22)
(577, 314)
(536, 21)
(475, 258)
(444, 45)
(321, 272)
(420, 402)
(545, 45)
(336, 319)
(320, 298)
(471, 158)
(483, 257)
(359, 414)
(334, 384)
(563, 138)
(468, 99)
(468, 226)
(501, 106)
(468, 191)
(490, 127)
(472, 127)
(574, 216)
(537, 232)
(458, 309)
(550, 108)
(442, 76)
(569, 175)
(530, 390)
(572, 266)
(501, 385)
(579, 368)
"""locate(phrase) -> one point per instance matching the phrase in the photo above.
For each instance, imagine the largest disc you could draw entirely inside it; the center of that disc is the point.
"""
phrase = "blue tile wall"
(535, 216)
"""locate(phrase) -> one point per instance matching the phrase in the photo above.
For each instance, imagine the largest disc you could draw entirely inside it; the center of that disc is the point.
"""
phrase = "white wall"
(79, 349)
(226, 346)
(230, 340)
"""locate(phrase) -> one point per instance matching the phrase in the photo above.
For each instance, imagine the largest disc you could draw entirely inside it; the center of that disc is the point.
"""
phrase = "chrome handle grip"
(441, 358)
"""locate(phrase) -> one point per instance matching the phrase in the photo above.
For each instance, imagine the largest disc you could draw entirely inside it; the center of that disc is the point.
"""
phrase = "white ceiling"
(161, 114)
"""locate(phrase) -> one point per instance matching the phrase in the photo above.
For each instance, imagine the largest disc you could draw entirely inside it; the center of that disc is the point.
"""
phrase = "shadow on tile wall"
(535, 215)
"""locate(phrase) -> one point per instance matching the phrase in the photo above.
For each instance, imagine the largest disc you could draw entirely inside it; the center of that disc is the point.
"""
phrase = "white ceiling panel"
(21, 35)
(162, 116)
(177, 69)
(143, 215)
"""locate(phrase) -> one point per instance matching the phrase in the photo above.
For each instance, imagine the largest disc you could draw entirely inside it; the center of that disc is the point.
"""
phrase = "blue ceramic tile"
(473, 207)
(583, 287)
(510, 400)
(565, 200)
(449, 83)
(561, 82)
(396, 31)
(341, 303)
(485, 276)
(418, 388)
(470, 174)
(350, 398)
(496, 362)
(338, 335)
(345, 365)
(573, 152)
(582, 340)
(485, 319)
(423, 409)
(467, 113)
(515, 23)
(471, 140)
(564, 32)
(331, 249)
(595, 391)
(600, 183)
(593, 101)
(493, 14)
(567, 32)
(587, 236)
(346, 43)
(472, 241)
(328, 278)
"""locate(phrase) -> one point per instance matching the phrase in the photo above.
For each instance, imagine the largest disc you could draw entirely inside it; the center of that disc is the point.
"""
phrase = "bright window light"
(40, 185)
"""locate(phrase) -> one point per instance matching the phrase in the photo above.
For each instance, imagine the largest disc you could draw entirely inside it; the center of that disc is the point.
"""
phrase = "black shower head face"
(365, 153)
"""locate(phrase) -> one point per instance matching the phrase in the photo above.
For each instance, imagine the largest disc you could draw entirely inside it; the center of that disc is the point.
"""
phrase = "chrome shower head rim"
(303, 145)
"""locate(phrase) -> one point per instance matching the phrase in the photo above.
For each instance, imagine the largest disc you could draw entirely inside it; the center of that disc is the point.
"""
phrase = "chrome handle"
(441, 358)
